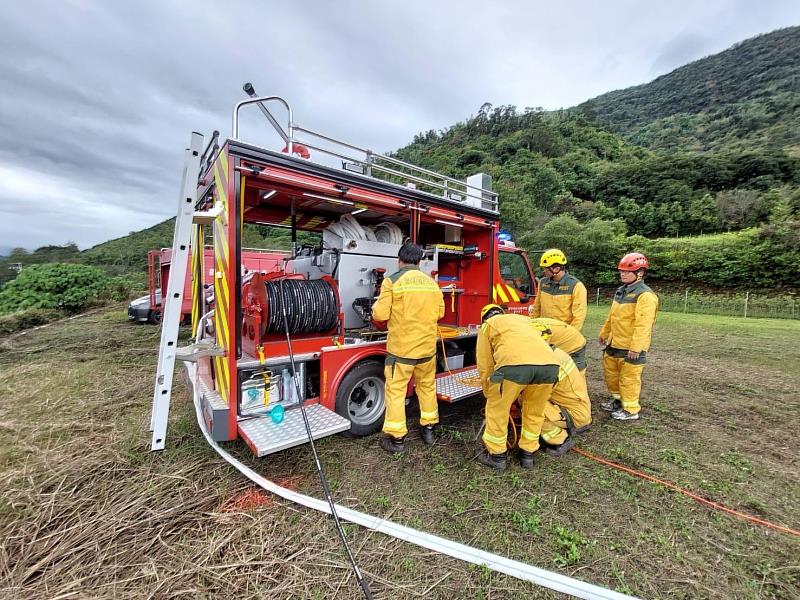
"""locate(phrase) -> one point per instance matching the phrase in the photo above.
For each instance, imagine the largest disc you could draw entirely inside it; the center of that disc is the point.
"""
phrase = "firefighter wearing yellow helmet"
(561, 296)
(625, 337)
(411, 303)
(563, 336)
(513, 362)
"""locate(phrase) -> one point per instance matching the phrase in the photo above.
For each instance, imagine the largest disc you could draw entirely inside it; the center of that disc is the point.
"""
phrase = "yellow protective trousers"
(624, 381)
(397, 377)
(499, 398)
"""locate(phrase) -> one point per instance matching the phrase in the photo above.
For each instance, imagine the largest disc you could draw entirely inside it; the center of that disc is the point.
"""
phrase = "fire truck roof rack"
(475, 192)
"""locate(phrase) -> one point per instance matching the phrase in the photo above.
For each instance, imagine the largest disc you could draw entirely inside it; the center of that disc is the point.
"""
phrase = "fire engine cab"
(361, 209)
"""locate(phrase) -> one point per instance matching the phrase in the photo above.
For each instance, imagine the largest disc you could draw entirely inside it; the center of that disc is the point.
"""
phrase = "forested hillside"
(747, 97)
(711, 148)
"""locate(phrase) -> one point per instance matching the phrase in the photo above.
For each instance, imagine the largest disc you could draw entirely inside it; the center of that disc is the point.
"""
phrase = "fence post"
(597, 299)
(686, 300)
(746, 302)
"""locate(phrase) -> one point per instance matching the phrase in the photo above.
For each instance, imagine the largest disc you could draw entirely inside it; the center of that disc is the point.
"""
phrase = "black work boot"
(393, 445)
(429, 434)
(493, 461)
(561, 449)
(525, 458)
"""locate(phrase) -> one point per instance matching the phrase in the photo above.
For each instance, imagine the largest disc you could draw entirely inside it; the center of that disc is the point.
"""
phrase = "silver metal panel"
(451, 389)
(213, 398)
(269, 437)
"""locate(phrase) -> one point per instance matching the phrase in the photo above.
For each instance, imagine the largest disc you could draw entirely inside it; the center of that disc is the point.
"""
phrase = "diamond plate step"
(449, 388)
(265, 437)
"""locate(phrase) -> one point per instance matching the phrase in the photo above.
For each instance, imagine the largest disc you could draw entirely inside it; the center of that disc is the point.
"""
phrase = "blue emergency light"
(504, 235)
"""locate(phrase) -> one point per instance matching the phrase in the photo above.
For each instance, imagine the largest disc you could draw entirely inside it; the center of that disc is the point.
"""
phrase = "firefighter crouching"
(563, 336)
(568, 412)
(411, 304)
(513, 362)
(625, 337)
(561, 296)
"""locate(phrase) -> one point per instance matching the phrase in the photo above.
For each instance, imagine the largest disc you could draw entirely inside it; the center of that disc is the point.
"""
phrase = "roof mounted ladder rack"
(368, 163)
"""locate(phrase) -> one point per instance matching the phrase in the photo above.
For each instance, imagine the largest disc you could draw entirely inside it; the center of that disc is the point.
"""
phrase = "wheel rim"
(365, 402)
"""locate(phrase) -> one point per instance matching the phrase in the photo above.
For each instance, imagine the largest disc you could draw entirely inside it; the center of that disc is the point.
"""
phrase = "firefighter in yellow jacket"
(625, 337)
(411, 304)
(563, 336)
(513, 362)
(568, 412)
(561, 296)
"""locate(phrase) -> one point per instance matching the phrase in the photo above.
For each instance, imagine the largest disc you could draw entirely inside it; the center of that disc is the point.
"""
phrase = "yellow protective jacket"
(629, 325)
(565, 337)
(509, 340)
(570, 391)
(411, 303)
(564, 300)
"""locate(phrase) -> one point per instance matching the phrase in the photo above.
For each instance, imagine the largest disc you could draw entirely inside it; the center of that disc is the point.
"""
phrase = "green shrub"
(70, 287)
(125, 287)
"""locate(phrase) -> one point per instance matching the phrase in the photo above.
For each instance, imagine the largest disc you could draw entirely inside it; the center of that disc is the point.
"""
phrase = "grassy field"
(86, 511)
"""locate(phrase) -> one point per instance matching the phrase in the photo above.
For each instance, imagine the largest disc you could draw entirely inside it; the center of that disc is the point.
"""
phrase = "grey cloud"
(99, 98)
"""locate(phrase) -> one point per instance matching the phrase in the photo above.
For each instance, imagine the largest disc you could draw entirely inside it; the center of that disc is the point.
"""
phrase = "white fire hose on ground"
(495, 562)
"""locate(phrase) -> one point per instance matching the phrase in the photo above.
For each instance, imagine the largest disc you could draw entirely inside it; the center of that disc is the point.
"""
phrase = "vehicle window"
(514, 272)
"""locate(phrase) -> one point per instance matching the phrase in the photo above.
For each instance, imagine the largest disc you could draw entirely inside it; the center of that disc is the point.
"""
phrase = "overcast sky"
(97, 99)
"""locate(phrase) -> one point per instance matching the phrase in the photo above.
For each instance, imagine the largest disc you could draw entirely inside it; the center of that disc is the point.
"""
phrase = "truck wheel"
(361, 398)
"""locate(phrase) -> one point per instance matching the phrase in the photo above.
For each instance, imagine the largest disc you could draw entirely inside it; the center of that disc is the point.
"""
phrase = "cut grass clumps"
(86, 510)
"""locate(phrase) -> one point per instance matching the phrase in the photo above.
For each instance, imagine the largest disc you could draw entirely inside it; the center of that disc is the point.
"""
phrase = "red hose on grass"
(686, 492)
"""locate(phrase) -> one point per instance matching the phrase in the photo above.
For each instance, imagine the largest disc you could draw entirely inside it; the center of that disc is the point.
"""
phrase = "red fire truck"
(362, 208)
(148, 309)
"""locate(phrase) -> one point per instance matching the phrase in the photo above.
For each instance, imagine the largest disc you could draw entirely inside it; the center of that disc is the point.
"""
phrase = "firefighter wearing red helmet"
(625, 337)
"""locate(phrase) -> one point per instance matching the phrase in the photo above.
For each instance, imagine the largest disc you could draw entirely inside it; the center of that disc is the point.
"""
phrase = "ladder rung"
(207, 217)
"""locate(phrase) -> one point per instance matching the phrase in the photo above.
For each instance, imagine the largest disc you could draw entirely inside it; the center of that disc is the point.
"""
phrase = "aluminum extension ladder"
(172, 301)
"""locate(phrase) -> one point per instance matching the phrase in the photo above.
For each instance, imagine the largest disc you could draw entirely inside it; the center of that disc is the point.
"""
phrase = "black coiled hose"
(311, 305)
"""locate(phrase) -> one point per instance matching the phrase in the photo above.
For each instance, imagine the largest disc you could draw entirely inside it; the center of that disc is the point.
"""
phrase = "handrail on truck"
(451, 189)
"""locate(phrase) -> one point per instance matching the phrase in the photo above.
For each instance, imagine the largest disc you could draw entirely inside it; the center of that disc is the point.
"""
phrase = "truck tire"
(361, 398)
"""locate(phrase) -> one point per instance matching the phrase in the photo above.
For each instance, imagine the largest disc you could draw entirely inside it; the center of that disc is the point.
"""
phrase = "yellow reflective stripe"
(501, 293)
(313, 222)
(241, 201)
(529, 435)
(221, 376)
(220, 182)
(400, 287)
(564, 371)
(394, 425)
(429, 415)
(627, 404)
(615, 396)
(550, 434)
(513, 292)
(223, 159)
(494, 439)
(494, 294)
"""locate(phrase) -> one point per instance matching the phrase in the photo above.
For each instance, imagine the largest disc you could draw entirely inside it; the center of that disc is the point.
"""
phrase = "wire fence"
(746, 304)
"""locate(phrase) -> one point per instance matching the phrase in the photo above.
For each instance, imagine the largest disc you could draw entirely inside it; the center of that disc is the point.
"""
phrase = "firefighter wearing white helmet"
(513, 362)
(625, 337)
(561, 296)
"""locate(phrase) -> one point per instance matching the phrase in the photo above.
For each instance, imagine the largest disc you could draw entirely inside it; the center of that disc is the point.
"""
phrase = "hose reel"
(311, 305)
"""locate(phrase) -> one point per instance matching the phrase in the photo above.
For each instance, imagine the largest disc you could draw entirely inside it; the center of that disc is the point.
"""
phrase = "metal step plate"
(265, 437)
(450, 388)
